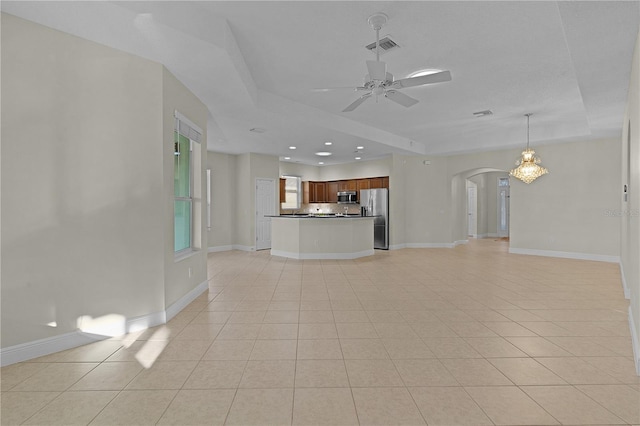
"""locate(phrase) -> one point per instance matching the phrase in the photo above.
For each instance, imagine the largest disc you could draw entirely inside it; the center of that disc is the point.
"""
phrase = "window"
(186, 155)
(292, 192)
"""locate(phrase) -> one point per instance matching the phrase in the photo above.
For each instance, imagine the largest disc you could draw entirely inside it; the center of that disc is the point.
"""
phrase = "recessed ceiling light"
(321, 162)
(358, 158)
(292, 147)
(359, 147)
(423, 72)
(287, 158)
(328, 143)
(323, 153)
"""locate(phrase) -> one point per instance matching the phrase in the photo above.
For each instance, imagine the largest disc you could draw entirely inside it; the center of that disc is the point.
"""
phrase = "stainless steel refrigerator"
(375, 202)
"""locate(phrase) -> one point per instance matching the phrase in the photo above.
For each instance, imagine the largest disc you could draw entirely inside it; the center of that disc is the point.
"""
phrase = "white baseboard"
(244, 248)
(635, 344)
(566, 255)
(146, 321)
(49, 345)
(220, 248)
(489, 235)
(625, 287)
(46, 346)
(182, 303)
(305, 256)
(428, 245)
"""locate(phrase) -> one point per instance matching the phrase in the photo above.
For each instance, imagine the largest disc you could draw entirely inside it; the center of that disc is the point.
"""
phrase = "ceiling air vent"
(483, 113)
(386, 44)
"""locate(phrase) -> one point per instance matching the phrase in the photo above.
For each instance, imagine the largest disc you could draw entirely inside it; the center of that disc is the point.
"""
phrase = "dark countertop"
(321, 216)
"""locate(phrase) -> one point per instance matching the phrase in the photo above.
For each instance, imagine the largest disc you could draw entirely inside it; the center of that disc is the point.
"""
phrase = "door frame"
(504, 233)
(472, 208)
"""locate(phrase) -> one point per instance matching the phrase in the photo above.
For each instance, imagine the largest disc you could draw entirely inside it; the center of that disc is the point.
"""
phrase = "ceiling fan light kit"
(379, 82)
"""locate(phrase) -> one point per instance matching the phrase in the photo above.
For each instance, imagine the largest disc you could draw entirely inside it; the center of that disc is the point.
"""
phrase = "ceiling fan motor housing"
(377, 20)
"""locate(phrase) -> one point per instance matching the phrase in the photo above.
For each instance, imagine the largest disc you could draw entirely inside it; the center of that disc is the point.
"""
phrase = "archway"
(488, 213)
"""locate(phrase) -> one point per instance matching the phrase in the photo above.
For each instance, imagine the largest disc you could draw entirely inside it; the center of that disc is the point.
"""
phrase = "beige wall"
(184, 275)
(223, 199)
(250, 167)
(83, 205)
(244, 203)
(629, 212)
(566, 210)
(359, 169)
(304, 171)
(87, 185)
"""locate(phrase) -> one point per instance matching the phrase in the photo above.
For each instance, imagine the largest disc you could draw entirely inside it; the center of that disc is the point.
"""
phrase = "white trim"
(566, 255)
(145, 321)
(49, 345)
(185, 254)
(46, 346)
(634, 342)
(182, 303)
(293, 255)
(625, 287)
(185, 120)
(428, 245)
(489, 235)
(244, 248)
(220, 248)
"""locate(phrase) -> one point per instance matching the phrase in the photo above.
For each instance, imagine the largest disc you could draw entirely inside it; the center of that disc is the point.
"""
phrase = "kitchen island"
(321, 237)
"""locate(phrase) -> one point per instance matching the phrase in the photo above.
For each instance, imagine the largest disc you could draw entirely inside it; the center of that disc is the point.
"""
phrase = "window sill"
(185, 254)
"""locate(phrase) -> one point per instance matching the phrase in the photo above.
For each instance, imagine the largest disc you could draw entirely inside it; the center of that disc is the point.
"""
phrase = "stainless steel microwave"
(347, 197)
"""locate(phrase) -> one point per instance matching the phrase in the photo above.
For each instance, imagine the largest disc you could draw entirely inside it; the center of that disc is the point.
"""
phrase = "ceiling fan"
(379, 82)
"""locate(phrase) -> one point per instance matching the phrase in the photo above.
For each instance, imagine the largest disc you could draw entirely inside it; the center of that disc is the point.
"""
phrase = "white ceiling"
(254, 65)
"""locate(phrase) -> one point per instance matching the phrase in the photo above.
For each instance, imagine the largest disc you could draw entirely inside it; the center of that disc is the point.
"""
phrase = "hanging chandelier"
(528, 169)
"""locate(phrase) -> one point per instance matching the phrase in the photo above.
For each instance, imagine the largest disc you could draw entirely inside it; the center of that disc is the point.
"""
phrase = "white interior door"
(472, 210)
(503, 207)
(265, 206)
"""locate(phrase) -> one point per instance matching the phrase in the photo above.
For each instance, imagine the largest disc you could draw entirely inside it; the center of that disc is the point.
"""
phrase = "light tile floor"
(471, 335)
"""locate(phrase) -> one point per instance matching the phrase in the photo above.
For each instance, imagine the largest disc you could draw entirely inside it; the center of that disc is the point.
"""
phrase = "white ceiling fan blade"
(357, 103)
(377, 70)
(438, 77)
(329, 89)
(401, 98)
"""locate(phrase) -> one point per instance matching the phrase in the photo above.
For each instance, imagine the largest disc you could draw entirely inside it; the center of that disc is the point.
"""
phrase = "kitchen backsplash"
(324, 208)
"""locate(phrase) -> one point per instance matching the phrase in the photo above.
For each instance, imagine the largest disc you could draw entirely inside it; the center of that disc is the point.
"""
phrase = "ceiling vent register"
(386, 44)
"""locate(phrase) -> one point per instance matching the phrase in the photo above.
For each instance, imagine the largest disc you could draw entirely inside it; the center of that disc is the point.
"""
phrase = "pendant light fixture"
(528, 169)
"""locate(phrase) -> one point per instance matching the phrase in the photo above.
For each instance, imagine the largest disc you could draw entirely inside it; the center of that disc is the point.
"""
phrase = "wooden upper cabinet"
(321, 192)
(327, 192)
(332, 192)
(347, 185)
(306, 192)
(375, 183)
(283, 190)
(363, 184)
